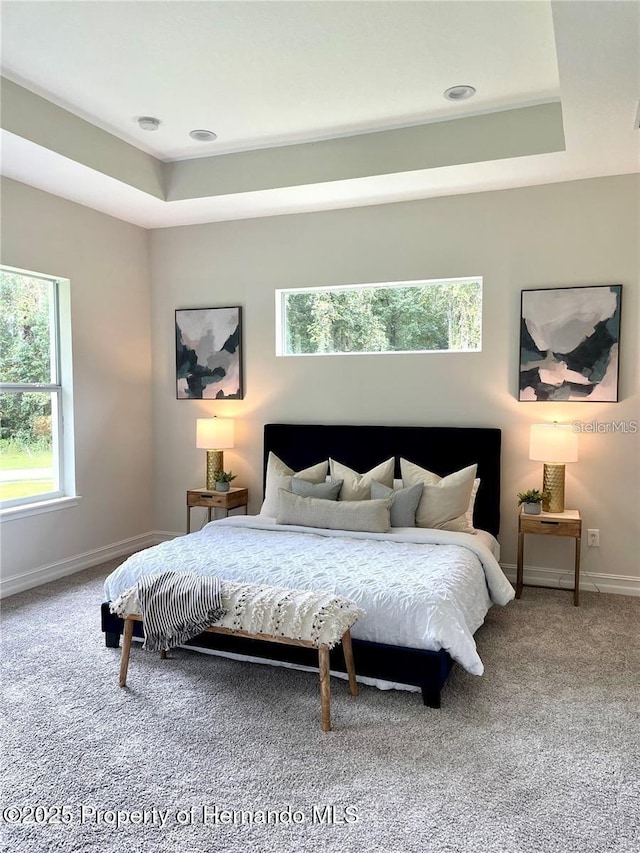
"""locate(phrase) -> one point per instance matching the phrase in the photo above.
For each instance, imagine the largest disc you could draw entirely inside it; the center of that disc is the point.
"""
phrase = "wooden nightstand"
(215, 500)
(567, 523)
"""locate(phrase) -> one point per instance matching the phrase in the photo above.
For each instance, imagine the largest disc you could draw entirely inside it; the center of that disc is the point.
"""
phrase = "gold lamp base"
(553, 485)
(214, 464)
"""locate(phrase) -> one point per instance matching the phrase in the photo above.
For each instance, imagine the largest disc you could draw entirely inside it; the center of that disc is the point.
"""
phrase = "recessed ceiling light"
(203, 135)
(148, 123)
(459, 93)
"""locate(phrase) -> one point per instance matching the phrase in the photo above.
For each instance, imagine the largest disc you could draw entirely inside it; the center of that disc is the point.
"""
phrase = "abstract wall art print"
(569, 339)
(209, 354)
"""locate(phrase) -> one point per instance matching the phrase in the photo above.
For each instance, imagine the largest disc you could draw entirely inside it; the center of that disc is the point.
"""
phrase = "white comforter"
(425, 589)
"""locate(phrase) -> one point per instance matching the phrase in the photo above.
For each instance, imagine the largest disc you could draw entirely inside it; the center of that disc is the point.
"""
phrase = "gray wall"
(107, 263)
(134, 461)
(577, 233)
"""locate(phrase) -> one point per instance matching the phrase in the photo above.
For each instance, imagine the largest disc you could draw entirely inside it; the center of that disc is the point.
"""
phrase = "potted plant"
(532, 500)
(223, 480)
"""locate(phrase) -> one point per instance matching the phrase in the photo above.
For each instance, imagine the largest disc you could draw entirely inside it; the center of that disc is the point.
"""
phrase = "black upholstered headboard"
(442, 450)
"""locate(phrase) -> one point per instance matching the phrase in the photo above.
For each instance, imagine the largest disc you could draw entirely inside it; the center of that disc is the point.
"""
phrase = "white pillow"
(279, 477)
(472, 503)
(445, 500)
(357, 487)
(369, 516)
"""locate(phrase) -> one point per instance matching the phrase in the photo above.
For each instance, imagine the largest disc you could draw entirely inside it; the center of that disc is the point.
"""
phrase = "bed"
(455, 575)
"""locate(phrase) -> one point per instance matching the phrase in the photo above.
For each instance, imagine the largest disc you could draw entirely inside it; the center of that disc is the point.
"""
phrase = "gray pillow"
(370, 516)
(405, 502)
(325, 491)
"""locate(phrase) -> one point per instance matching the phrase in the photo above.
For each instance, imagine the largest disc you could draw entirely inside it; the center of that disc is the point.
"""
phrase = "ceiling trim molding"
(481, 138)
(496, 136)
(39, 121)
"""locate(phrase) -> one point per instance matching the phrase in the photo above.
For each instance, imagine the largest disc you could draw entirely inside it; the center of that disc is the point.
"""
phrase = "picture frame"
(569, 344)
(209, 353)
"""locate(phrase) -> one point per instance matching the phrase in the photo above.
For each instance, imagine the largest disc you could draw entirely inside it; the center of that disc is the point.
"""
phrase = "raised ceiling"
(316, 105)
(262, 74)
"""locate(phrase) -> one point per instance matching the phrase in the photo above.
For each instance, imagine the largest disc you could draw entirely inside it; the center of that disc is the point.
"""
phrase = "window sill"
(13, 513)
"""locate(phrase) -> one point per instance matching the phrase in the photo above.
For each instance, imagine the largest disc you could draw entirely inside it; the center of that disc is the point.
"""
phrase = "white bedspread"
(425, 589)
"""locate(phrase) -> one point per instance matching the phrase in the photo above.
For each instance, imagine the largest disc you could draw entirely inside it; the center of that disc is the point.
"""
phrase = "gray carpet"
(540, 754)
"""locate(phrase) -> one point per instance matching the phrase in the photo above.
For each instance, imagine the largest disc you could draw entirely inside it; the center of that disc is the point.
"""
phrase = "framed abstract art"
(569, 339)
(209, 354)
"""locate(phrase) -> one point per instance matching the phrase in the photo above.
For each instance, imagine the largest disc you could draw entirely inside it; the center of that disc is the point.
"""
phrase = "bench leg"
(347, 650)
(126, 648)
(325, 688)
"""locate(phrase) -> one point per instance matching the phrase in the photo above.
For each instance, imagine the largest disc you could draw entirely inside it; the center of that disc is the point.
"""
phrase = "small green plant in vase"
(223, 480)
(532, 501)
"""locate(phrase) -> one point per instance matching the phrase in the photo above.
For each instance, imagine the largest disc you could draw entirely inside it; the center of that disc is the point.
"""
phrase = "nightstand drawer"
(550, 527)
(206, 499)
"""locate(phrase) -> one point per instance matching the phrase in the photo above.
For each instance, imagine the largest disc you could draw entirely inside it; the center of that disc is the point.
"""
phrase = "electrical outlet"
(593, 538)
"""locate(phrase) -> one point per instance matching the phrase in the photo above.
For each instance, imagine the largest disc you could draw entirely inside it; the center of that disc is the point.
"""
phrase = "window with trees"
(33, 393)
(398, 317)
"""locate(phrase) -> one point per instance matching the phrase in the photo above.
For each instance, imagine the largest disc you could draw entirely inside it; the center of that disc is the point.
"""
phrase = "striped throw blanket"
(176, 606)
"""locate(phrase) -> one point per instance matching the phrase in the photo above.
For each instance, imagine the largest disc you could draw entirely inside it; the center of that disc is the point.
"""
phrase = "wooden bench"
(323, 660)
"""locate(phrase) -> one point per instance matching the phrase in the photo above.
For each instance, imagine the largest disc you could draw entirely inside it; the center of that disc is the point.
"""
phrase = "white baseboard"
(62, 568)
(165, 535)
(589, 581)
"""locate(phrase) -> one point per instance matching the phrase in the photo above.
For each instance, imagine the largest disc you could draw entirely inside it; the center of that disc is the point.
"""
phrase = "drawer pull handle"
(551, 522)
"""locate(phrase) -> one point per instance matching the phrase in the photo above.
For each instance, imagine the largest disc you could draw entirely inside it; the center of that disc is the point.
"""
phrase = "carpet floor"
(540, 754)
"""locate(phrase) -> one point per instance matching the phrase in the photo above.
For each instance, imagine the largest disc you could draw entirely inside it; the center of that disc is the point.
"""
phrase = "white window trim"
(281, 293)
(24, 510)
(62, 371)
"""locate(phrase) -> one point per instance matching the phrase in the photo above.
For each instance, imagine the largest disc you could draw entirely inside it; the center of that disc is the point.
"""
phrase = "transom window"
(442, 315)
(33, 393)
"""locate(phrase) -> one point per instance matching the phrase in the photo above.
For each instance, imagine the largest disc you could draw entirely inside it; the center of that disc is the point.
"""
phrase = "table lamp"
(214, 435)
(554, 444)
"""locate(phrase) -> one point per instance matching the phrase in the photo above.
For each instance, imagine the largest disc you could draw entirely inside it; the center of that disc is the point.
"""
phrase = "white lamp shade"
(553, 443)
(214, 433)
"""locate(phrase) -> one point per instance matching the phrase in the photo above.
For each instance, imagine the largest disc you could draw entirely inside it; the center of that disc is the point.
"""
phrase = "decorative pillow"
(357, 487)
(369, 516)
(279, 477)
(472, 503)
(404, 502)
(445, 500)
(327, 491)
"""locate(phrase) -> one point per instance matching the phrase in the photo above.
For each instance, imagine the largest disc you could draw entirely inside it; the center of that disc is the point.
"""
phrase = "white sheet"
(426, 589)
